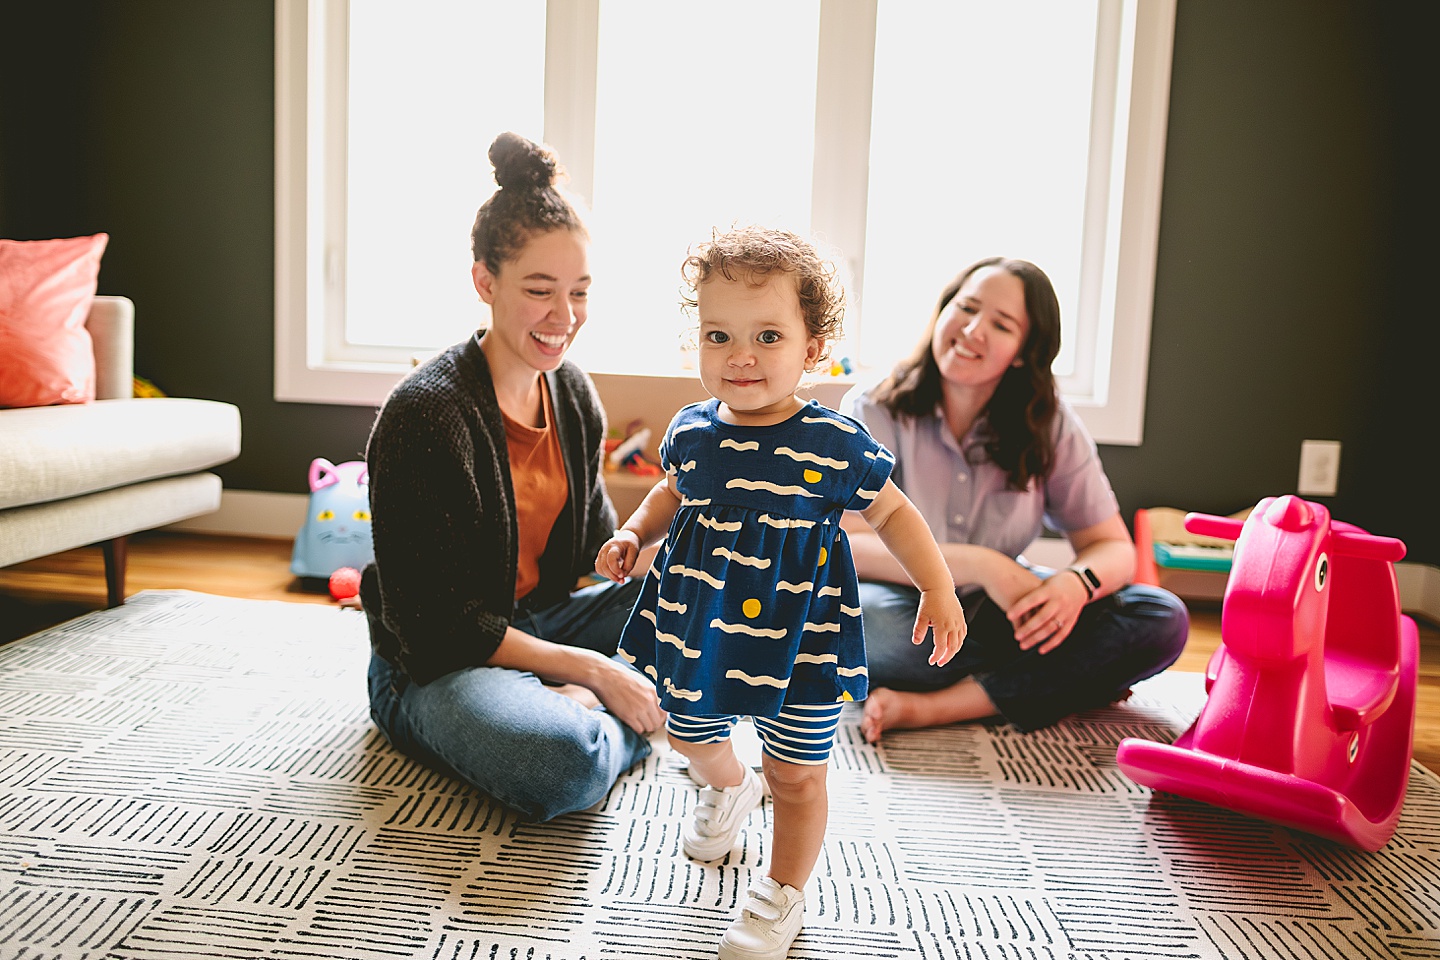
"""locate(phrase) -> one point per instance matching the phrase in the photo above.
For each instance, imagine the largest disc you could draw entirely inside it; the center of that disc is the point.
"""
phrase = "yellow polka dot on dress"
(751, 608)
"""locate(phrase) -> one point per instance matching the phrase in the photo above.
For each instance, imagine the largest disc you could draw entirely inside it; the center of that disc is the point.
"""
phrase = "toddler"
(751, 607)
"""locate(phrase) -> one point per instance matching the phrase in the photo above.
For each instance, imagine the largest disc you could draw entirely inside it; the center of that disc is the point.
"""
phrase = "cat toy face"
(336, 532)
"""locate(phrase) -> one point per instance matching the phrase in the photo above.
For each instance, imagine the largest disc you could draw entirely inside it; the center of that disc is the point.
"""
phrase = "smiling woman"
(488, 507)
(988, 451)
(541, 296)
(979, 334)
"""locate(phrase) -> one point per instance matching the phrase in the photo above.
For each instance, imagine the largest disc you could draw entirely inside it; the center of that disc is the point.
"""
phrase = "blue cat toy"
(336, 533)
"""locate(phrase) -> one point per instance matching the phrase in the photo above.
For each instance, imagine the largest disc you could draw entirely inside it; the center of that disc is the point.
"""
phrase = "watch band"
(1087, 577)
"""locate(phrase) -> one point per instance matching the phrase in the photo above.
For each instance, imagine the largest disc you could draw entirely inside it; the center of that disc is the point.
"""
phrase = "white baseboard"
(1419, 583)
(258, 513)
(1419, 586)
(251, 513)
(1419, 589)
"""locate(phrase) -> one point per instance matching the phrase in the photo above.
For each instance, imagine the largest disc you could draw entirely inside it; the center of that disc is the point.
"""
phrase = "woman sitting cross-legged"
(987, 451)
(488, 506)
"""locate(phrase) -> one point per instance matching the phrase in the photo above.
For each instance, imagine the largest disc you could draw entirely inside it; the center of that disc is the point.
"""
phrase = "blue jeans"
(503, 731)
(1119, 640)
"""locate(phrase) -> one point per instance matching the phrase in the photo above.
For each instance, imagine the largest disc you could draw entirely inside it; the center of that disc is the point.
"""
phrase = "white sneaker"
(715, 822)
(768, 922)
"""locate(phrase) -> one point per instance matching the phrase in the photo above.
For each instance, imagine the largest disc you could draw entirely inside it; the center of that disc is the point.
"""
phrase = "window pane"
(975, 151)
(701, 120)
(424, 109)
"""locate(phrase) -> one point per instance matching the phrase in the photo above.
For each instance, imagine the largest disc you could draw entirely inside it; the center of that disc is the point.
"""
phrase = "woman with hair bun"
(988, 452)
(488, 506)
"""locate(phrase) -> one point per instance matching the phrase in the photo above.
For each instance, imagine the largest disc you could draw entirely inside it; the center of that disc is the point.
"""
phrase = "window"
(884, 129)
(701, 148)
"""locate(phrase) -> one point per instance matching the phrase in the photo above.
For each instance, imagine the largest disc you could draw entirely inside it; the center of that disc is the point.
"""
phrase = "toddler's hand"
(617, 557)
(941, 610)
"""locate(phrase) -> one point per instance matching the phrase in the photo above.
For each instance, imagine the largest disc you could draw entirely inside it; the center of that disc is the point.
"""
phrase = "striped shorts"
(801, 734)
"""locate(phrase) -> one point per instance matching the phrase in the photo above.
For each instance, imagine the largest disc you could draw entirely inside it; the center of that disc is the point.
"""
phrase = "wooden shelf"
(627, 490)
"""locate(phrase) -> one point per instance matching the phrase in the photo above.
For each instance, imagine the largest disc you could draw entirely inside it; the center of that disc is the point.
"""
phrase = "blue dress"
(752, 601)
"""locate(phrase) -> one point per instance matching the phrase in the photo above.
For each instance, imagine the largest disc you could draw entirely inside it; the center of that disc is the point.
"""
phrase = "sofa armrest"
(112, 326)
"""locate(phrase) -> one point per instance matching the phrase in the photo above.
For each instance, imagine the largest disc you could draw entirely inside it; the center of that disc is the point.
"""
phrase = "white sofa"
(78, 474)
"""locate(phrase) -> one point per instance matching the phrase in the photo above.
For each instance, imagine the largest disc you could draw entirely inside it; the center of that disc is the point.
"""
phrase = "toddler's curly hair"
(752, 254)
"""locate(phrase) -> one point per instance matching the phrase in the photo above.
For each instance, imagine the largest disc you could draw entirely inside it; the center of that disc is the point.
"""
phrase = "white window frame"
(1118, 285)
(314, 364)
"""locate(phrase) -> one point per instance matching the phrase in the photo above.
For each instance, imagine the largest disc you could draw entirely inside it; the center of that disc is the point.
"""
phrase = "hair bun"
(521, 163)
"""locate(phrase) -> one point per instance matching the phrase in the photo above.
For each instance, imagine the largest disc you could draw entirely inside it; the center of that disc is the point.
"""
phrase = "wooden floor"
(44, 592)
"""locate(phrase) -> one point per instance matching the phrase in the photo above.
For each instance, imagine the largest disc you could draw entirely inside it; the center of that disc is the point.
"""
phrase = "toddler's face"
(754, 347)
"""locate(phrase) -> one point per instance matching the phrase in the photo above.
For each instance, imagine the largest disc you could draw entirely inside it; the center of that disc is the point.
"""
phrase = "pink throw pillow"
(46, 288)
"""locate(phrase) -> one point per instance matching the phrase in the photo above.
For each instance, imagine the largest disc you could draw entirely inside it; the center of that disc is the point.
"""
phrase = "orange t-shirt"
(537, 471)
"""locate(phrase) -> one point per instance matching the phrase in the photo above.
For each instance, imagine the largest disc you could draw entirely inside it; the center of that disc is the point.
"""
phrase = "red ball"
(344, 583)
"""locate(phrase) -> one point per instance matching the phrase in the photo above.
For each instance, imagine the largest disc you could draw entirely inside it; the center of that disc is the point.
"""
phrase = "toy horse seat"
(1310, 713)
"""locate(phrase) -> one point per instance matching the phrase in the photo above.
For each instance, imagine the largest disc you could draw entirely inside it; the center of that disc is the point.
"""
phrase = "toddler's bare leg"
(800, 805)
(714, 763)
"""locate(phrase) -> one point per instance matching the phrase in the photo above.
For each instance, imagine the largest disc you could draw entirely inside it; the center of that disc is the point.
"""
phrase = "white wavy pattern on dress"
(805, 456)
(784, 490)
(195, 776)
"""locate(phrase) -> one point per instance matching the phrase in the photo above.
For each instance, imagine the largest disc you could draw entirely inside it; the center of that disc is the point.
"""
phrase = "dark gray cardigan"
(441, 591)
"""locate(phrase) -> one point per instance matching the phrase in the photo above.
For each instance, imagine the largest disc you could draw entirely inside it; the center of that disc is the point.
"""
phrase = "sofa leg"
(115, 570)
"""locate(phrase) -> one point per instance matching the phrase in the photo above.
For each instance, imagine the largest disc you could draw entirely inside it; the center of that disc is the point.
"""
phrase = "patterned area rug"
(195, 776)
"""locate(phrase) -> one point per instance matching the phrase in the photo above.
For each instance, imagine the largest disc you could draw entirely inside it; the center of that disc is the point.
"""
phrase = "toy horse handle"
(1345, 539)
(1365, 546)
(1225, 528)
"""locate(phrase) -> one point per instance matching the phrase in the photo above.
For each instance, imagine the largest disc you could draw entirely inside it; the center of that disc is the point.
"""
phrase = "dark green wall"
(1292, 296)
(1290, 302)
(155, 124)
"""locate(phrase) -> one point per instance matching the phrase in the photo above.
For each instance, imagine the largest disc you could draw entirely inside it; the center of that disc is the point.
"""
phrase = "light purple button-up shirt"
(968, 502)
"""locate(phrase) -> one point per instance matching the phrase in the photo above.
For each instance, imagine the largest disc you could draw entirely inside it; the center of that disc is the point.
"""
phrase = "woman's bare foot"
(885, 709)
(583, 695)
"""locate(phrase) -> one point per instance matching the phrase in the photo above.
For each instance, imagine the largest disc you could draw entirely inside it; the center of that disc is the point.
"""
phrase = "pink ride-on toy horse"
(1310, 716)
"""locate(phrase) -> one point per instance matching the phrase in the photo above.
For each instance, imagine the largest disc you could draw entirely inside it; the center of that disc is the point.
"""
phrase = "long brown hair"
(1021, 412)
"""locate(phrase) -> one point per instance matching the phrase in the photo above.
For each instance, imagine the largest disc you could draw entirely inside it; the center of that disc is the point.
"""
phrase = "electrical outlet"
(1319, 468)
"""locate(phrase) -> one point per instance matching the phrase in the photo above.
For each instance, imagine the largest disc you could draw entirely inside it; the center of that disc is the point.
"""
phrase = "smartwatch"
(1087, 577)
